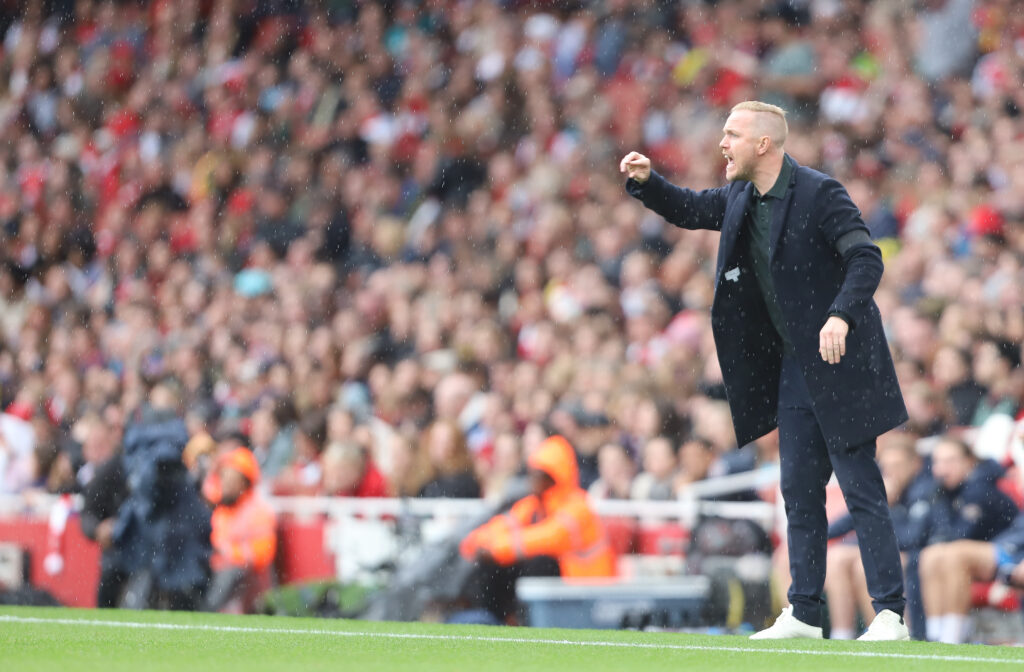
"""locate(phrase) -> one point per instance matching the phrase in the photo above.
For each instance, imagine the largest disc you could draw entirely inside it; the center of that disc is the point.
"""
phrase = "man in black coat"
(101, 500)
(801, 346)
(162, 529)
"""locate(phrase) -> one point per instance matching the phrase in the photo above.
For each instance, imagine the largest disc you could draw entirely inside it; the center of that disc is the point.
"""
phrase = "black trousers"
(493, 586)
(141, 592)
(225, 585)
(112, 583)
(807, 465)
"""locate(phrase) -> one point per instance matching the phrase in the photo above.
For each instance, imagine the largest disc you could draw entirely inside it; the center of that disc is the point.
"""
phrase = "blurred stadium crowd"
(385, 245)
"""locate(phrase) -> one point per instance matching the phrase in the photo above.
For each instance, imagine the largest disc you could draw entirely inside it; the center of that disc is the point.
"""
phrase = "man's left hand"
(832, 339)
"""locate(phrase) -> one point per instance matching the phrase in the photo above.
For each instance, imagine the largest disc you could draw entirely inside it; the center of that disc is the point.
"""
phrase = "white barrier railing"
(695, 502)
(364, 534)
(33, 505)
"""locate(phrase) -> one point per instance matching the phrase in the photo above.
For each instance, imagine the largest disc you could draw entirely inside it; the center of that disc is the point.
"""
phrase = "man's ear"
(764, 144)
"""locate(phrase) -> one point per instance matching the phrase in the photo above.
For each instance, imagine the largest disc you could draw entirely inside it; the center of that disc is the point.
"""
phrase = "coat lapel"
(779, 215)
(732, 224)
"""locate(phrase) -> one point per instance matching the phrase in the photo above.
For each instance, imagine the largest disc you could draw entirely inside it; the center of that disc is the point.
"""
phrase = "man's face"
(97, 447)
(739, 145)
(540, 481)
(898, 469)
(342, 475)
(659, 459)
(233, 485)
(695, 459)
(950, 466)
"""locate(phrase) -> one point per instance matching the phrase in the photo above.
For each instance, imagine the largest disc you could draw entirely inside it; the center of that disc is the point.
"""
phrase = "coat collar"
(782, 207)
(784, 179)
(736, 213)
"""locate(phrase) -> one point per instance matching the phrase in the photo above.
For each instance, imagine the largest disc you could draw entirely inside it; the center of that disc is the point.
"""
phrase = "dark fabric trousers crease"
(806, 466)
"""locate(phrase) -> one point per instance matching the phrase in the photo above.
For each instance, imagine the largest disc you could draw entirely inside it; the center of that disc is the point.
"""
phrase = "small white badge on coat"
(733, 274)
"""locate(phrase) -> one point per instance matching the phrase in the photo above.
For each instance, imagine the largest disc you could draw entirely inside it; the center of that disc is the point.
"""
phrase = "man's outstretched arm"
(679, 206)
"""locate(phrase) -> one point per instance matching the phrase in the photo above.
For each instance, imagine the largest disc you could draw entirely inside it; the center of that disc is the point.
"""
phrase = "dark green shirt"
(761, 210)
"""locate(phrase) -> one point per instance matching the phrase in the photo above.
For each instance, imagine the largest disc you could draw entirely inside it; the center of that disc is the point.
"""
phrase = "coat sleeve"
(862, 260)
(498, 530)
(913, 533)
(475, 540)
(550, 536)
(89, 523)
(561, 532)
(102, 497)
(679, 206)
(994, 510)
(1012, 538)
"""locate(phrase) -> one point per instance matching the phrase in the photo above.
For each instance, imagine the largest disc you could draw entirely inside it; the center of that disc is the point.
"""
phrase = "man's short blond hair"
(772, 123)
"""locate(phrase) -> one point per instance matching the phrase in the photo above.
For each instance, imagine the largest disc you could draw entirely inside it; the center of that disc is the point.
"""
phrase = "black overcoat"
(855, 400)
(163, 526)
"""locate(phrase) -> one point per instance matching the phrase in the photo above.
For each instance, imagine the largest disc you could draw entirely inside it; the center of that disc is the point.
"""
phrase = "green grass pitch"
(73, 640)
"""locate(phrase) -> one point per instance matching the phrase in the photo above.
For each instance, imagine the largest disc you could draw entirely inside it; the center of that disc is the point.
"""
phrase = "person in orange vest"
(244, 533)
(551, 532)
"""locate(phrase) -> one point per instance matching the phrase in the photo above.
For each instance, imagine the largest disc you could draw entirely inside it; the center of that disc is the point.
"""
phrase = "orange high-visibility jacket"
(244, 535)
(559, 523)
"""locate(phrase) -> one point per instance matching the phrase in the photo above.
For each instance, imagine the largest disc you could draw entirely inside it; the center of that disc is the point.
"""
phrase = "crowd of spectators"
(385, 244)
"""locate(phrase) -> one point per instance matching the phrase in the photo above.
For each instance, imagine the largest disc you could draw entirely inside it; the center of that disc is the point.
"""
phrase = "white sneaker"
(788, 626)
(888, 626)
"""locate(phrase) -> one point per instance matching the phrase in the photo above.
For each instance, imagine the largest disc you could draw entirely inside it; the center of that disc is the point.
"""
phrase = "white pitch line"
(478, 638)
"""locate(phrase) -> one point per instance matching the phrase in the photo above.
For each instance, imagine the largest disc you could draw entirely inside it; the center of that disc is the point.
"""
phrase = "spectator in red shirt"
(349, 472)
(304, 474)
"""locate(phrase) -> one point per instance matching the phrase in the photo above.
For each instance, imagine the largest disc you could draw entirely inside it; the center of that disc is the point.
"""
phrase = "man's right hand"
(636, 166)
(105, 533)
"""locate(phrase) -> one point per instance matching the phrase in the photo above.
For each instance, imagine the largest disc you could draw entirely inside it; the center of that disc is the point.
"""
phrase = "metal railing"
(696, 501)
